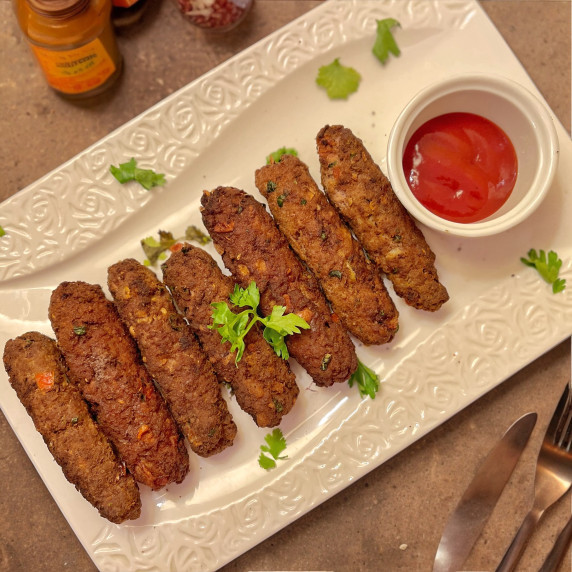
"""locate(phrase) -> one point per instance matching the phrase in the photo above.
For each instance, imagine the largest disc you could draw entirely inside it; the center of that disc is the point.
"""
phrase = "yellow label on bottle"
(78, 70)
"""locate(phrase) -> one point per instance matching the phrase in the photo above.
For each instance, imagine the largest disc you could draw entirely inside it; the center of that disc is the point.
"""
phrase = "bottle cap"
(61, 9)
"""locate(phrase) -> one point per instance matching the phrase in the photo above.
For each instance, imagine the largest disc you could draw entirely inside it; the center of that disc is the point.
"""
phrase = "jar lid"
(62, 9)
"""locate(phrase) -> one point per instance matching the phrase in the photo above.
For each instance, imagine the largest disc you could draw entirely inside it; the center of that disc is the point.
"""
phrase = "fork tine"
(563, 430)
(557, 420)
(553, 476)
(564, 441)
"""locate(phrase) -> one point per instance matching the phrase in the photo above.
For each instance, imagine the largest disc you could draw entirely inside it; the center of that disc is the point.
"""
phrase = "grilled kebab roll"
(315, 231)
(253, 249)
(262, 382)
(173, 357)
(363, 196)
(37, 373)
(103, 362)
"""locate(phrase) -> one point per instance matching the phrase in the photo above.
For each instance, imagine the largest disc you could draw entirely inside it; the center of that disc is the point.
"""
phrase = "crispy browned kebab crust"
(173, 356)
(363, 196)
(262, 382)
(61, 416)
(253, 249)
(104, 363)
(312, 226)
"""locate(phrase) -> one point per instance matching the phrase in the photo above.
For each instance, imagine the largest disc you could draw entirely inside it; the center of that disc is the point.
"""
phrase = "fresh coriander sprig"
(339, 81)
(366, 380)
(547, 266)
(276, 443)
(129, 171)
(155, 249)
(234, 327)
(384, 41)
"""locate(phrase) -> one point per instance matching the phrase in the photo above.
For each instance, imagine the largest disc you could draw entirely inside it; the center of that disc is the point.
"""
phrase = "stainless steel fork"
(553, 476)
(558, 552)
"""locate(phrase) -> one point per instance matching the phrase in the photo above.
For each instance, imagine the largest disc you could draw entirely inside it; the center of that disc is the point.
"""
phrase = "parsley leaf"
(284, 324)
(230, 326)
(278, 326)
(366, 380)
(129, 171)
(384, 41)
(275, 444)
(277, 155)
(2, 231)
(245, 297)
(277, 342)
(234, 327)
(338, 80)
(155, 249)
(266, 462)
(547, 266)
(194, 233)
(558, 285)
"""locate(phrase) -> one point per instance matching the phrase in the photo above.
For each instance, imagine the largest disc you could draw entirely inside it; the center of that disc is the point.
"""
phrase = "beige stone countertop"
(392, 518)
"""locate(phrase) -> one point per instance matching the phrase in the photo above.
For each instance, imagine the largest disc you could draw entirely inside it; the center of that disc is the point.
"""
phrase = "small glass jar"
(215, 15)
(74, 43)
(127, 12)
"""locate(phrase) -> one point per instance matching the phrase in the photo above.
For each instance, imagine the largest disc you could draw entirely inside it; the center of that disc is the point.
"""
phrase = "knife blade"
(476, 505)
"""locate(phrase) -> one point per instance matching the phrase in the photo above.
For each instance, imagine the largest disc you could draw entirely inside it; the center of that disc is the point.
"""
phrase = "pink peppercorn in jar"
(215, 15)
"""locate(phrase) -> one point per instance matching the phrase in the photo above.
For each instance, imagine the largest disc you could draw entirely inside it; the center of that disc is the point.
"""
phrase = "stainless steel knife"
(476, 505)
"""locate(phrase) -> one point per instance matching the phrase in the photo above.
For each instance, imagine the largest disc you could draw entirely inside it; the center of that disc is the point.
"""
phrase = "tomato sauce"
(460, 166)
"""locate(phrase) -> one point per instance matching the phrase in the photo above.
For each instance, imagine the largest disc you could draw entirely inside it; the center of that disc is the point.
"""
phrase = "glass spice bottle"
(215, 15)
(74, 43)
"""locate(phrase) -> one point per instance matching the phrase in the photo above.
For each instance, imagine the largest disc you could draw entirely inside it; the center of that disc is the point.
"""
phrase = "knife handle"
(559, 549)
(516, 548)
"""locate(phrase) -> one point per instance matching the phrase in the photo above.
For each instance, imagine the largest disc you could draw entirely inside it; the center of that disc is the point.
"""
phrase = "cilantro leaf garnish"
(366, 380)
(338, 80)
(278, 327)
(384, 41)
(156, 249)
(231, 327)
(277, 155)
(234, 327)
(547, 266)
(277, 342)
(2, 231)
(284, 324)
(275, 444)
(129, 171)
(196, 234)
(245, 297)
(558, 285)
(266, 462)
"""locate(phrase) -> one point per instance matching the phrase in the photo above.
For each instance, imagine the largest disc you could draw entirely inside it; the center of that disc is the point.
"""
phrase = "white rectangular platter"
(77, 220)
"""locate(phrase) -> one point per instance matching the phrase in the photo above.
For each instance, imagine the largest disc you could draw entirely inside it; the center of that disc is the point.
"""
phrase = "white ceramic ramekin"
(516, 111)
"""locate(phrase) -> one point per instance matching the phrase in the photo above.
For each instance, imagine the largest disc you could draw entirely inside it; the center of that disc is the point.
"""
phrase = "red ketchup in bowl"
(460, 166)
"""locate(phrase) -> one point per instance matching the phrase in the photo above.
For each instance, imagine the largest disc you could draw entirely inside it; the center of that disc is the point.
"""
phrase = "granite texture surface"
(391, 519)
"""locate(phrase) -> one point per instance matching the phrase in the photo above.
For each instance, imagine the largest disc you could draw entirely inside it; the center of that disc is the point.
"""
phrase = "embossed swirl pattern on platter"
(410, 403)
(414, 397)
(77, 204)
